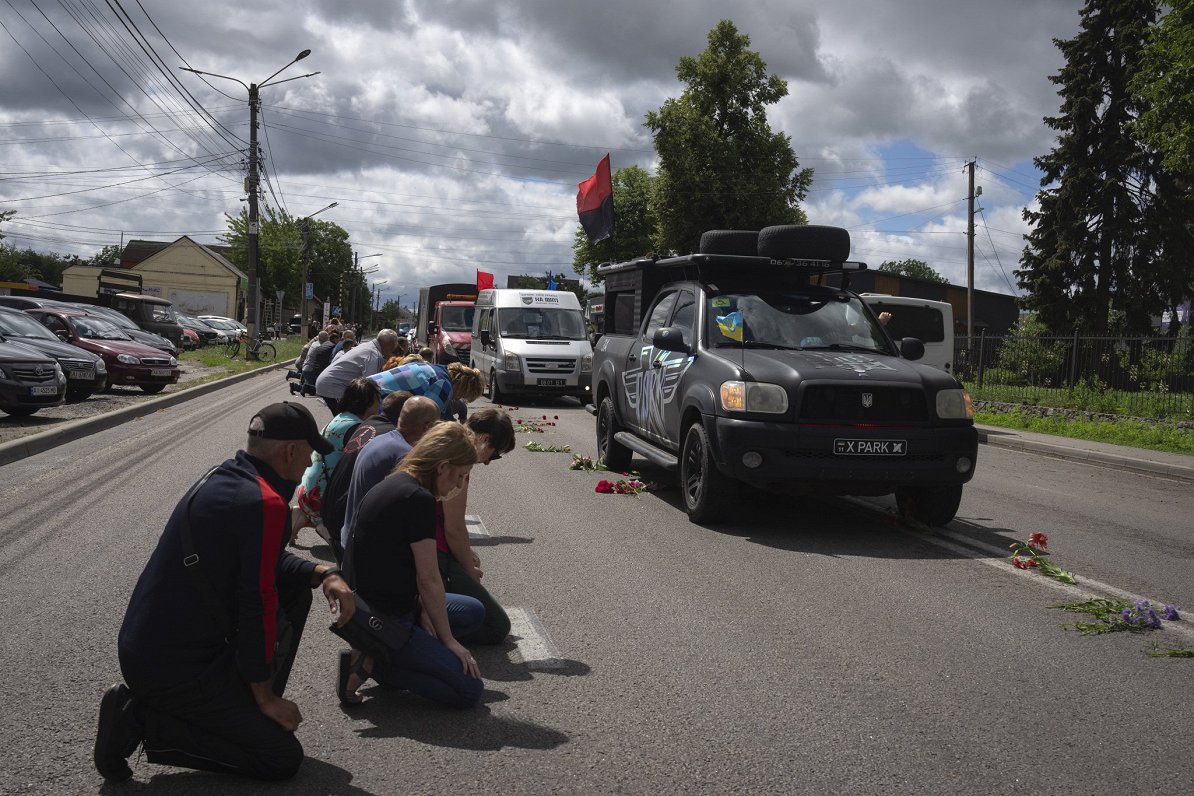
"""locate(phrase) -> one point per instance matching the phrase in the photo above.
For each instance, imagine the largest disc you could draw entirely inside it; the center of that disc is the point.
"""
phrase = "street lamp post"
(252, 183)
(358, 272)
(306, 256)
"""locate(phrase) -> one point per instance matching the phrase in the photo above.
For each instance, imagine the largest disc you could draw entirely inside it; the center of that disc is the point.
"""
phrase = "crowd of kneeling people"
(214, 622)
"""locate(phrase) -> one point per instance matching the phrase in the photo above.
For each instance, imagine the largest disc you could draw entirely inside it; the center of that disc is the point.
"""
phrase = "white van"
(931, 322)
(531, 342)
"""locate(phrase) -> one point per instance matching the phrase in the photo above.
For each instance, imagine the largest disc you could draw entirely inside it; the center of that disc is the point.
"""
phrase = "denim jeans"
(427, 668)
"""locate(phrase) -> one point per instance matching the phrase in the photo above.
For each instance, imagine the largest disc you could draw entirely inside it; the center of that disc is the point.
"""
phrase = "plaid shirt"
(419, 379)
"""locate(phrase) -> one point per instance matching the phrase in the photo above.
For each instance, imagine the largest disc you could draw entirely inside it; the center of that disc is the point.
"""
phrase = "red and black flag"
(595, 204)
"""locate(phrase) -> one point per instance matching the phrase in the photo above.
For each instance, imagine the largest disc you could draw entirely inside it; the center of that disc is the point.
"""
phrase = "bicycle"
(263, 349)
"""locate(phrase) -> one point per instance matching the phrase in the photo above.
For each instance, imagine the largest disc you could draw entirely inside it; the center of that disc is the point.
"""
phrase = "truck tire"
(708, 494)
(804, 242)
(932, 505)
(614, 454)
(730, 241)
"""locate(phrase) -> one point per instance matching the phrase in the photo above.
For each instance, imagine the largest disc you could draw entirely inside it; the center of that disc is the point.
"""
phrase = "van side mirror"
(670, 338)
(912, 348)
(486, 338)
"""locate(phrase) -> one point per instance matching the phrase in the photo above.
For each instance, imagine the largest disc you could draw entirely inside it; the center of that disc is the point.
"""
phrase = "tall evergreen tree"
(1085, 256)
(720, 165)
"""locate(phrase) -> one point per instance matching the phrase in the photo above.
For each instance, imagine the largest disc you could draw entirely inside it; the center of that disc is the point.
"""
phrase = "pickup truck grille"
(549, 365)
(33, 374)
(863, 404)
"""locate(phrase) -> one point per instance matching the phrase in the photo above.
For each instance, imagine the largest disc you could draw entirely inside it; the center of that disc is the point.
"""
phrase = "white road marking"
(534, 645)
(476, 528)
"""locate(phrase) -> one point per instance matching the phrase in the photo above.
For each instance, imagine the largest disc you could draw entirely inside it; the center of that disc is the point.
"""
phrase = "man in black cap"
(213, 624)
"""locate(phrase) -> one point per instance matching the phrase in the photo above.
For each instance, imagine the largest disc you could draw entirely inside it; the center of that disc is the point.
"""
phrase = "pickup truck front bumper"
(842, 459)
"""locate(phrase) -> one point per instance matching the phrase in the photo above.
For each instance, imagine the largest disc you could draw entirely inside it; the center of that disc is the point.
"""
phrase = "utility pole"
(254, 304)
(305, 226)
(970, 255)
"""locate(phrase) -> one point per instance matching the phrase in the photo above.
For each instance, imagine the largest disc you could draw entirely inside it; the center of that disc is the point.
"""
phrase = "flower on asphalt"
(1038, 539)
(1018, 562)
(605, 487)
(1169, 612)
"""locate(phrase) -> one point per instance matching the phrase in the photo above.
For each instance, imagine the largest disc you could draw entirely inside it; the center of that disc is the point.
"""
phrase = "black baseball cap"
(291, 421)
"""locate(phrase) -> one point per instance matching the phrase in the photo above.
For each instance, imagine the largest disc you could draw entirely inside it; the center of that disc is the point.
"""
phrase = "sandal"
(347, 670)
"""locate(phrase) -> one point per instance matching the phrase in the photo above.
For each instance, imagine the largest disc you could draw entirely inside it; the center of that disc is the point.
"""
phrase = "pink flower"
(1039, 540)
(1018, 563)
(605, 487)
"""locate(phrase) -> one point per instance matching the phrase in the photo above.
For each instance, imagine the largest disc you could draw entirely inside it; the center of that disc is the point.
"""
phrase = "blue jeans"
(466, 614)
(427, 668)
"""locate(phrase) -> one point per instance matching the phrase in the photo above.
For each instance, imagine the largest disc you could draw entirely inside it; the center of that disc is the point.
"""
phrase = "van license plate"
(164, 373)
(48, 389)
(551, 382)
(870, 447)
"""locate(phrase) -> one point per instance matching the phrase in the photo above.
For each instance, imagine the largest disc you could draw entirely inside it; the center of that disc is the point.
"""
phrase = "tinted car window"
(17, 324)
(659, 313)
(925, 323)
(98, 329)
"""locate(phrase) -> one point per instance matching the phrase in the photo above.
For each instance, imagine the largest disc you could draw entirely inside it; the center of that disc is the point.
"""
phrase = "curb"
(1118, 461)
(76, 429)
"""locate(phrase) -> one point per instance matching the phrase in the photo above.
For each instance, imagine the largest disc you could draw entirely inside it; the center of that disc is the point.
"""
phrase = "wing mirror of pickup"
(912, 348)
(670, 338)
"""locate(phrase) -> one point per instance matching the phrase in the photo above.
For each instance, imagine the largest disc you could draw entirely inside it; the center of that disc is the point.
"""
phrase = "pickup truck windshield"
(793, 319)
(541, 323)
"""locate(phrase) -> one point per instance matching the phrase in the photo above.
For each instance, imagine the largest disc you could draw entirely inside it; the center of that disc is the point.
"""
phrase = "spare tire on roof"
(804, 242)
(730, 241)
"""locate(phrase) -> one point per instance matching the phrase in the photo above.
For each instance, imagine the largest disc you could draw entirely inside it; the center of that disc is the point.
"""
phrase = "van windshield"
(793, 319)
(541, 323)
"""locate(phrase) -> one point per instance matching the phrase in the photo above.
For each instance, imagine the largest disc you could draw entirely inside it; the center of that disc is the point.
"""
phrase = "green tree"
(107, 257)
(1165, 81)
(280, 251)
(918, 269)
(720, 165)
(634, 225)
(1084, 255)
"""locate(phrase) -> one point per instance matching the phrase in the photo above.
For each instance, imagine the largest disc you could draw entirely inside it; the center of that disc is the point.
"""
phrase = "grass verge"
(213, 357)
(1133, 433)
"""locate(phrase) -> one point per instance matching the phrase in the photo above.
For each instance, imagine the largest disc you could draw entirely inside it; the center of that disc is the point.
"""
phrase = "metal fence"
(1143, 376)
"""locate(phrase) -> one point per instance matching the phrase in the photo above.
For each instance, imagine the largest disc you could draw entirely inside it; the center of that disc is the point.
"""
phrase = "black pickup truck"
(735, 365)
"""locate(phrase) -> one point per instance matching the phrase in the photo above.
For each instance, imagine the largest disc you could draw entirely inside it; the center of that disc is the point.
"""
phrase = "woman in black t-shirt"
(391, 561)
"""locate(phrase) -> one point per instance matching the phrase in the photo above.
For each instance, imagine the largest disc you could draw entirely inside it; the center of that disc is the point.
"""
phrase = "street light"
(352, 288)
(254, 102)
(306, 256)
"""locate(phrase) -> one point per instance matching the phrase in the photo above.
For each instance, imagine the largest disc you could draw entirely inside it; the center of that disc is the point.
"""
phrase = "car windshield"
(216, 323)
(795, 319)
(18, 324)
(541, 323)
(93, 328)
(457, 319)
(113, 317)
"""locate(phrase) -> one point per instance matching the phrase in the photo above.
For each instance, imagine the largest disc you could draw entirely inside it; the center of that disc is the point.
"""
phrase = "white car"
(235, 323)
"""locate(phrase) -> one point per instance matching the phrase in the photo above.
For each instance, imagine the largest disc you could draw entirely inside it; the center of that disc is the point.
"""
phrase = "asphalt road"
(813, 646)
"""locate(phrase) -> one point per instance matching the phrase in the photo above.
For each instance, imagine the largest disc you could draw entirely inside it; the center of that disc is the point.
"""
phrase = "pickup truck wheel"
(932, 505)
(805, 242)
(615, 455)
(707, 493)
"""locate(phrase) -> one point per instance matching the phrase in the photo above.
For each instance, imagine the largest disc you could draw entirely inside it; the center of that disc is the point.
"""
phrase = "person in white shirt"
(364, 360)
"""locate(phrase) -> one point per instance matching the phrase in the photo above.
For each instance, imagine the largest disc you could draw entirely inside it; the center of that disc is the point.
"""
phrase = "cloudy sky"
(452, 133)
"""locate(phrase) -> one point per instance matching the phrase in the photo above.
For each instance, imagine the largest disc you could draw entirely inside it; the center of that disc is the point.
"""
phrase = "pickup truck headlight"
(753, 396)
(128, 359)
(586, 363)
(511, 363)
(954, 405)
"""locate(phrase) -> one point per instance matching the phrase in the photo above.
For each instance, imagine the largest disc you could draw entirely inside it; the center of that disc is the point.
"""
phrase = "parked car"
(29, 380)
(130, 328)
(128, 361)
(208, 334)
(296, 324)
(85, 372)
(226, 325)
(190, 339)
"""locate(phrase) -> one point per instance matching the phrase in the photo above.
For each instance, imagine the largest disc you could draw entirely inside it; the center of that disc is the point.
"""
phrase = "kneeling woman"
(391, 561)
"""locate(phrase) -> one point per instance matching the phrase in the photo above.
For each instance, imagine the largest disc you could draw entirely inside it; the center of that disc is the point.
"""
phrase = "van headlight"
(128, 359)
(586, 363)
(511, 363)
(753, 396)
(954, 405)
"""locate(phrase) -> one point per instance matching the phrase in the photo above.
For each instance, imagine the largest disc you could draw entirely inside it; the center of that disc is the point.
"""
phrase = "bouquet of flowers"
(584, 463)
(623, 486)
(1031, 555)
(537, 448)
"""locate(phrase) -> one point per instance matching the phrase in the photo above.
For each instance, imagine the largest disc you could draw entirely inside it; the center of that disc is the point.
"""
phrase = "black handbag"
(377, 635)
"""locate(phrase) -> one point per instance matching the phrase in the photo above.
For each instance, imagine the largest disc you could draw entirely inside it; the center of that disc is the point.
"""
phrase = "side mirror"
(62, 334)
(486, 338)
(669, 338)
(912, 348)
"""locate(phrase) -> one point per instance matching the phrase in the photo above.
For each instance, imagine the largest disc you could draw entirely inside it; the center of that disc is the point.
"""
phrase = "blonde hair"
(448, 442)
(466, 382)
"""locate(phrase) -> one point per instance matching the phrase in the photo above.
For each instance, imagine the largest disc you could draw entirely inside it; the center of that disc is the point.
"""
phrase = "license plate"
(80, 374)
(162, 372)
(552, 382)
(870, 447)
(48, 389)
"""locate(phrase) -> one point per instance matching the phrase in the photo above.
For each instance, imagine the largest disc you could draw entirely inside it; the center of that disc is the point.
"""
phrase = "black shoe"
(294, 389)
(117, 735)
